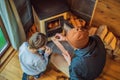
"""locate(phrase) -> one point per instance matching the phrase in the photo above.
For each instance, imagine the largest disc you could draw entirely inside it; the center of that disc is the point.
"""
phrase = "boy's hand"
(48, 50)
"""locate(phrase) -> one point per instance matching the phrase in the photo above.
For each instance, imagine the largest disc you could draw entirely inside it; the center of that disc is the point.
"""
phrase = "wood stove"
(42, 24)
(49, 14)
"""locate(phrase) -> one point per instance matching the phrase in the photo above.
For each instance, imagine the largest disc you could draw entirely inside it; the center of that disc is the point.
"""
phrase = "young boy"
(33, 56)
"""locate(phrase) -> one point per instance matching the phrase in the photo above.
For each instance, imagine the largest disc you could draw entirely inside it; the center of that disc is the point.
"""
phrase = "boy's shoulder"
(23, 45)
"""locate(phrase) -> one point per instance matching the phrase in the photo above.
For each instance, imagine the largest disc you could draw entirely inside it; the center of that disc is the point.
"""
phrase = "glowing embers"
(54, 26)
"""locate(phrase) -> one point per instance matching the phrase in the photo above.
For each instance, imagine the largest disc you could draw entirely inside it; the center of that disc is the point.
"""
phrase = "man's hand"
(63, 50)
(60, 37)
(67, 57)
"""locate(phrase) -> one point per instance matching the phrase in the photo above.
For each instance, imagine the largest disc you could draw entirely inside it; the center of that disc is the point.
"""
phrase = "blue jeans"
(26, 76)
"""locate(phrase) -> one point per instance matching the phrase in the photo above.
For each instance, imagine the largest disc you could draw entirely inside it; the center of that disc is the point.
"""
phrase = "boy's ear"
(34, 50)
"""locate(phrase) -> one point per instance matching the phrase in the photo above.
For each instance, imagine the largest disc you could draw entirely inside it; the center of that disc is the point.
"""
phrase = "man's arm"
(64, 51)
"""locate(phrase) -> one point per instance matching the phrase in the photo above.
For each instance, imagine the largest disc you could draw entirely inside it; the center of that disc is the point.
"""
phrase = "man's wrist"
(65, 39)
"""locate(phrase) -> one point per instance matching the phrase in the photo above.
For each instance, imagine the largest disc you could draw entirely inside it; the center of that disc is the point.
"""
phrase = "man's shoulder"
(77, 61)
(95, 37)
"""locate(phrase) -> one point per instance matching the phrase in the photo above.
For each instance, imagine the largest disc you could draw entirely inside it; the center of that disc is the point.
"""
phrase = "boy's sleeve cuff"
(46, 54)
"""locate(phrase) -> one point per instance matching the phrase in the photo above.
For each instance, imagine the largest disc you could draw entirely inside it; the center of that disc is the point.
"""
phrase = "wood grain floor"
(108, 12)
(13, 71)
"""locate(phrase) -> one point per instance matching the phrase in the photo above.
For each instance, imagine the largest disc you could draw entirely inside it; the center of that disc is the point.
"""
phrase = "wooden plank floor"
(108, 12)
(13, 71)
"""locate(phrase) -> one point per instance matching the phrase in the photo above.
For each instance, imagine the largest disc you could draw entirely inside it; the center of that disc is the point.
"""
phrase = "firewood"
(73, 22)
(78, 23)
(112, 44)
(117, 49)
(102, 31)
(83, 22)
(92, 31)
(33, 29)
(109, 37)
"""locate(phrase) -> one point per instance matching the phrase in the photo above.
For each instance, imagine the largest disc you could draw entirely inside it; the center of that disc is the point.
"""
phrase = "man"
(89, 54)
(33, 56)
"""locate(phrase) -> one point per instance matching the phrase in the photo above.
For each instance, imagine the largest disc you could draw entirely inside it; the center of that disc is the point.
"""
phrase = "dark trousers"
(26, 76)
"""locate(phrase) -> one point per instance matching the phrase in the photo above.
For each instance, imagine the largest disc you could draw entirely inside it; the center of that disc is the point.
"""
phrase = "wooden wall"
(108, 12)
